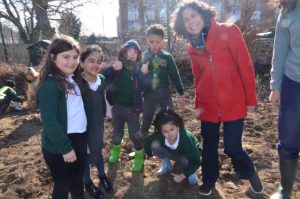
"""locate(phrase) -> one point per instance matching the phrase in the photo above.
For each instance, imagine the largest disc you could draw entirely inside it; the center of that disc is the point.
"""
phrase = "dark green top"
(52, 103)
(88, 104)
(164, 67)
(123, 88)
(188, 146)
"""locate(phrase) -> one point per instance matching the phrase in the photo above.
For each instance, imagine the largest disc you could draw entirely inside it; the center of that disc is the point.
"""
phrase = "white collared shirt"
(75, 110)
(94, 85)
(173, 146)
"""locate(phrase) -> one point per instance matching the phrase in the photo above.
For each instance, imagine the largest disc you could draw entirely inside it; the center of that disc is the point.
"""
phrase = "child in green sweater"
(60, 100)
(171, 141)
(125, 96)
(159, 69)
(90, 61)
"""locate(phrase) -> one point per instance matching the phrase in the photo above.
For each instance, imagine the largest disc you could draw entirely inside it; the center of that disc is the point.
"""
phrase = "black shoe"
(256, 184)
(204, 190)
(93, 190)
(108, 186)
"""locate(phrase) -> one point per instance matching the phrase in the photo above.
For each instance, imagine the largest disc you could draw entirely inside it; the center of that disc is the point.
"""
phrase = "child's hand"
(178, 177)
(70, 157)
(144, 68)
(181, 102)
(117, 65)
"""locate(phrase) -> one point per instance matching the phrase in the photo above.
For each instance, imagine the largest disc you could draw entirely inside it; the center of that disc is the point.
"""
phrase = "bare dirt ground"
(23, 173)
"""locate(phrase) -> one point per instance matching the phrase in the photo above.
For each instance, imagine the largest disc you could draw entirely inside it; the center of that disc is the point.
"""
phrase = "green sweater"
(123, 88)
(167, 69)
(188, 146)
(52, 103)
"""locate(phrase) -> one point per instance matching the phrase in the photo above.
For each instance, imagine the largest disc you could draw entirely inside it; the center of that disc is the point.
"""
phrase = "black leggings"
(68, 177)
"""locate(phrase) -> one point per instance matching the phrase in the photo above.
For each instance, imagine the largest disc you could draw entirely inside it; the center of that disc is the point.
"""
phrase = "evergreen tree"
(70, 25)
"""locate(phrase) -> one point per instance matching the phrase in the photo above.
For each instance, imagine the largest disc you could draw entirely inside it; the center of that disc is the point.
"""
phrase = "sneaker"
(163, 170)
(93, 191)
(107, 184)
(204, 190)
(256, 184)
(166, 167)
(193, 179)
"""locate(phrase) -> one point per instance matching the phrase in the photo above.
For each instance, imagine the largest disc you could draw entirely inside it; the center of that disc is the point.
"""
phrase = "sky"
(99, 18)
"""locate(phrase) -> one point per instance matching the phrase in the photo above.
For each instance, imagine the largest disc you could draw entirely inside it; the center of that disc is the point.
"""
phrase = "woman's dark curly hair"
(165, 116)
(207, 12)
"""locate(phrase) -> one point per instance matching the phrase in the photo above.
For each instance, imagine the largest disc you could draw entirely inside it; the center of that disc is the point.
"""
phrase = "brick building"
(136, 15)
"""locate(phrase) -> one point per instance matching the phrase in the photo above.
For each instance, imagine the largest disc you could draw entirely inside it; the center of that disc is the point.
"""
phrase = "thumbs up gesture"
(117, 65)
(144, 68)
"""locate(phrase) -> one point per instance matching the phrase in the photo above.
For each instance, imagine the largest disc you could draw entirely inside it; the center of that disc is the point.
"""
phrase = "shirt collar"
(173, 146)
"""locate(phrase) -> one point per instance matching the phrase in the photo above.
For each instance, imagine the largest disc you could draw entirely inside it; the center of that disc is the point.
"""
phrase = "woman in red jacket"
(224, 88)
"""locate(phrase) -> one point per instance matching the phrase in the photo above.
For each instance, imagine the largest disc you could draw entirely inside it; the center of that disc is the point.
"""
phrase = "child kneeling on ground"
(171, 141)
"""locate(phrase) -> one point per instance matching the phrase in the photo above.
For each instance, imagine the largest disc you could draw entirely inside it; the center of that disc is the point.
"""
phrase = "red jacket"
(224, 75)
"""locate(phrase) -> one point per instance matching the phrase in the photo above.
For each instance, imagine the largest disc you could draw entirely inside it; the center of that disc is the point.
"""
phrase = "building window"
(149, 11)
(133, 12)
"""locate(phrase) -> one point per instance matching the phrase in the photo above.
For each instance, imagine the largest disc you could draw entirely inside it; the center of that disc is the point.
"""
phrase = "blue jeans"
(289, 123)
(287, 153)
(242, 163)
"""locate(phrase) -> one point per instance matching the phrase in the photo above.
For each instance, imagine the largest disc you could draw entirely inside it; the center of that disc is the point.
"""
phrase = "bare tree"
(32, 17)
(3, 42)
(42, 25)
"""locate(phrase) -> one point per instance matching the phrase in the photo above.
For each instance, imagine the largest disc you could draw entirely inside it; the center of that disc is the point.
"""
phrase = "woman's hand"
(178, 177)
(274, 97)
(250, 109)
(70, 157)
(198, 112)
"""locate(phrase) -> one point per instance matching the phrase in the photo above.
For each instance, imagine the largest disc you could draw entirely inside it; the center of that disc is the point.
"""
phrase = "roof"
(42, 42)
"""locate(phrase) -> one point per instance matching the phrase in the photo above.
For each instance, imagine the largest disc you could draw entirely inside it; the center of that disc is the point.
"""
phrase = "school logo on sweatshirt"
(163, 62)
